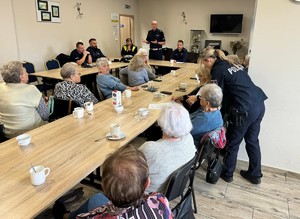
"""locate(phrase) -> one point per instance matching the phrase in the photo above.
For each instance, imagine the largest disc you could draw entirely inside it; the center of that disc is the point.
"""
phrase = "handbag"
(184, 209)
(214, 169)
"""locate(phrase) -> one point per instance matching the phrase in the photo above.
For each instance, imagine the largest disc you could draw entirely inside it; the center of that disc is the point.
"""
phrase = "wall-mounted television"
(226, 23)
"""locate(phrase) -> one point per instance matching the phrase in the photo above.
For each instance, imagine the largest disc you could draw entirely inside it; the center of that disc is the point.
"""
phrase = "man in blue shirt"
(180, 54)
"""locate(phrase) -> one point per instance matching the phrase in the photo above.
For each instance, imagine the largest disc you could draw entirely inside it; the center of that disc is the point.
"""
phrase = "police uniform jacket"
(95, 53)
(238, 89)
(179, 56)
(155, 35)
(126, 52)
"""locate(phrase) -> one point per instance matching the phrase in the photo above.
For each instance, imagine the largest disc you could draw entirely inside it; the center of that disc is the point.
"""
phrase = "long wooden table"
(67, 146)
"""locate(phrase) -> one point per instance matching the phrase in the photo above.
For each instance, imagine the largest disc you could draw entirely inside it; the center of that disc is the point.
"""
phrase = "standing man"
(94, 51)
(80, 55)
(156, 39)
(179, 54)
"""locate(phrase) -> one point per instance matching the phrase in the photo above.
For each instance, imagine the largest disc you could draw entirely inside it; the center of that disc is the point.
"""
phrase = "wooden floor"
(278, 196)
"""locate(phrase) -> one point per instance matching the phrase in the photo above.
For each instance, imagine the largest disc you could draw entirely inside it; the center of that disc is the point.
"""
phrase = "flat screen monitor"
(226, 23)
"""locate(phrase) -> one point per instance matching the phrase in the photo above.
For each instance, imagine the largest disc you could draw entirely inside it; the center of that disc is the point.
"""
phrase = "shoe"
(59, 210)
(253, 180)
(228, 179)
(71, 196)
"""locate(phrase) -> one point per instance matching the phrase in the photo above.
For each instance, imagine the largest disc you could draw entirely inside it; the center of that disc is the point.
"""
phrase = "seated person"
(209, 116)
(80, 55)
(22, 107)
(180, 54)
(95, 52)
(128, 50)
(192, 101)
(70, 89)
(175, 148)
(125, 178)
(108, 83)
(150, 70)
(137, 73)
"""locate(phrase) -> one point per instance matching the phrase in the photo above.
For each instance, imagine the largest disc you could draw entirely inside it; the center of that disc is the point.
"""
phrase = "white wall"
(39, 41)
(168, 15)
(274, 66)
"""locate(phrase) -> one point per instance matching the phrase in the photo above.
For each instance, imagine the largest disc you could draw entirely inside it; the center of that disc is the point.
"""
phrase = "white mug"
(127, 93)
(109, 62)
(173, 73)
(38, 175)
(172, 61)
(183, 86)
(78, 112)
(24, 139)
(115, 130)
(89, 106)
(156, 96)
(119, 109)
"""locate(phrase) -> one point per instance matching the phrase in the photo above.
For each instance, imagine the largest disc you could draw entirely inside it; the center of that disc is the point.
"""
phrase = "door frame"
(133, 26)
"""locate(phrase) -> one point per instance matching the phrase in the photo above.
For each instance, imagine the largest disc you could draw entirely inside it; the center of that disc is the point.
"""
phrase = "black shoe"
(228, 179)
(59, 210)
(253, 180)
(71, 196)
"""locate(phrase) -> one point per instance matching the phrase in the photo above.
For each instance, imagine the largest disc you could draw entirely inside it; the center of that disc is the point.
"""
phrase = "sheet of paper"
(158, 105)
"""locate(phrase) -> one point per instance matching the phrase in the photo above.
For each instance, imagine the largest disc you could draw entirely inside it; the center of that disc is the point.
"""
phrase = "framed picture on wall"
(46, 16)
(213, 43)
(42, 5)
(55, 11)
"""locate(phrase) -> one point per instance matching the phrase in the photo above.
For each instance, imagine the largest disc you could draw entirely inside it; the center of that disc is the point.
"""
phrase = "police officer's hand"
(154, 42)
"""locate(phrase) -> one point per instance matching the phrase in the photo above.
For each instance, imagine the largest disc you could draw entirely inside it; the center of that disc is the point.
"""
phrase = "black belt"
(155, 49)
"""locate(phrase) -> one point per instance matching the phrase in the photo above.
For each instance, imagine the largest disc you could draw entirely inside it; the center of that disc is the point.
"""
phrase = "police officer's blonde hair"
(216, 53)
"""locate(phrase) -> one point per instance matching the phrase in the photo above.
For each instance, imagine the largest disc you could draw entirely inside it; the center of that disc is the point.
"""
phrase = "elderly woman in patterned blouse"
(69, 88)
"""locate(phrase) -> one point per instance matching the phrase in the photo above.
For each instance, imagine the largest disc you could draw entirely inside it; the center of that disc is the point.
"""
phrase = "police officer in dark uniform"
(80, 55)
(95, 52)
(243, 102)
(128, 50)
(156, 39)
(179, 54)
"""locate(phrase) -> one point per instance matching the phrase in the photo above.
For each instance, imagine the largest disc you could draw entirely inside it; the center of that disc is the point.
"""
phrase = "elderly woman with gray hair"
(69, 89)
(209, 116)
(22, 107)
(107, 82)
(172, 151)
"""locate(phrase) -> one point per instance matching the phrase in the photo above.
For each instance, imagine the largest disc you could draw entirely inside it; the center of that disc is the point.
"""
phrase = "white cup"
(183, 86)
(172, 61)
(109, 62)
(78, 112)
(115, 130)
(156, 96)
(89, 106)
(119, 109)
(127, 93)
(143, 111)
(38, 175)
(173, 73)
(24, 139)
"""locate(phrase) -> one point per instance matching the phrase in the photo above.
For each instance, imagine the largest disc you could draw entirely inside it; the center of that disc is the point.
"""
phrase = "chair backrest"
(124, 79)
(167, 52)
(52, 64)
(179, 179)
(62, 108)
(192, 57)
(101, 96)
(30, 69)
(63, 58)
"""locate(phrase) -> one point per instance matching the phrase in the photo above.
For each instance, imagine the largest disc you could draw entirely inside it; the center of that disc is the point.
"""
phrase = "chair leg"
(194, 201)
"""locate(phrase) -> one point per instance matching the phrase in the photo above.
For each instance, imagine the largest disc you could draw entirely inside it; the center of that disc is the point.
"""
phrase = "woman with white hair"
(209, 116)
(22, 107)
(172, 151)
(70, 89)
(150, 70)
(107, 82)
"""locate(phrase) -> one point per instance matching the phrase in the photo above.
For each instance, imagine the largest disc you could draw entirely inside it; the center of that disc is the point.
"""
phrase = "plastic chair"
(192, 57)
(62, 108)
(30, 69)
(167, 52)
(124, 79)
(180, 178)
(52, 64)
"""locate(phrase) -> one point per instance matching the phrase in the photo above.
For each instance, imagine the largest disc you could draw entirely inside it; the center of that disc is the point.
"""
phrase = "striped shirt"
(154, 206)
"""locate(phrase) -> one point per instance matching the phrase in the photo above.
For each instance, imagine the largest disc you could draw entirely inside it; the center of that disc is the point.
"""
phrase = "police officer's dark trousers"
(249, 130)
